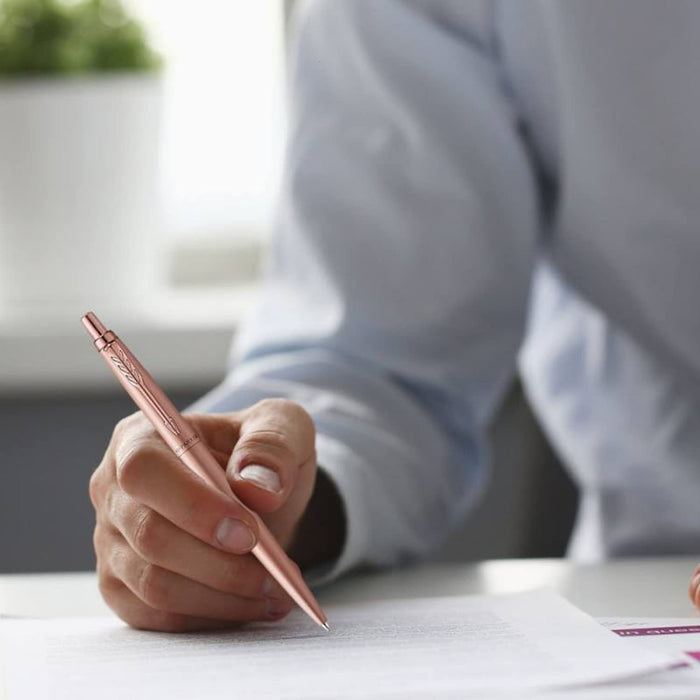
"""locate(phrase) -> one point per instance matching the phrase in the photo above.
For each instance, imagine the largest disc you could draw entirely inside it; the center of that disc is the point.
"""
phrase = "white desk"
(633, 587)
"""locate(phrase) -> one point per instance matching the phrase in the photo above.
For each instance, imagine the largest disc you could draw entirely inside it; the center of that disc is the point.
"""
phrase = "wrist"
(320, 534)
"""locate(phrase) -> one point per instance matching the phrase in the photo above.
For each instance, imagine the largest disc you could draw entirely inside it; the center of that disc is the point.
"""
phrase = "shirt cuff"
(348, 474)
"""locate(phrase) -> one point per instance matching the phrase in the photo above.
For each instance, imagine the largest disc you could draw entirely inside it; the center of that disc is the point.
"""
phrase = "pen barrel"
(203, 463)
(139, 384)
(267, 549)
(270, 554)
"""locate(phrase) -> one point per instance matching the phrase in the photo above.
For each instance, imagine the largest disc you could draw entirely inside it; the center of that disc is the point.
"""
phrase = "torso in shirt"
(609, 96)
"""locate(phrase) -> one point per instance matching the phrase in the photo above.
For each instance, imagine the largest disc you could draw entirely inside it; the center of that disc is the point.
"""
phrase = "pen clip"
(131, 373)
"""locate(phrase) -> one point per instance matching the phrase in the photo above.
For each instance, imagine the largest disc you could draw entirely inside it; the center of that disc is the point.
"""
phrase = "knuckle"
(169, 622)
(147, 537)
(232, 574)
(288, 408)
(135, 613)
(161, 622)
(284, 430)
(304, 419)
(125, 425)
(694, 591)
(273, 404)
(97, 541)
(265, 444)
(152, 587)
(95, 488)
(139, 619)
(109, 586)
(191, 507)
(132, 465)
(143, 618)
(112, 505)
(228, 577)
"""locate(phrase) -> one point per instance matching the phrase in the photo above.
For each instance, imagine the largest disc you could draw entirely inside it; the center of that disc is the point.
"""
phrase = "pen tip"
(326, 627)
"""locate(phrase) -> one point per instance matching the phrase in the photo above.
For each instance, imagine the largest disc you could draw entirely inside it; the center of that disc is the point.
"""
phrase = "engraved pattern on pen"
(190, 442)
(132, 375)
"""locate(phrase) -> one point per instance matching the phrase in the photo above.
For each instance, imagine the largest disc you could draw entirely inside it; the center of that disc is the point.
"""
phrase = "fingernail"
(262, 476)
(235, 535)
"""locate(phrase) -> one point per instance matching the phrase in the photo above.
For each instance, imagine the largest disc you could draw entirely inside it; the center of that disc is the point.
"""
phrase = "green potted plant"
(80, 104)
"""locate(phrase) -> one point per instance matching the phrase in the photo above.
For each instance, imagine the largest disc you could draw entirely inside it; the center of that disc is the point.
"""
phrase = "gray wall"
(530, 505)
(52, 444)
(50, 447)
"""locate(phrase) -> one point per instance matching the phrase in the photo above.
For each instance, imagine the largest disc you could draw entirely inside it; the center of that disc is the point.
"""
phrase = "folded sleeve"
(396, 287)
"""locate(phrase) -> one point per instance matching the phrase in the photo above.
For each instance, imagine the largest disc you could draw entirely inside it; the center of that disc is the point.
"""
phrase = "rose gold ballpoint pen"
(184, 441)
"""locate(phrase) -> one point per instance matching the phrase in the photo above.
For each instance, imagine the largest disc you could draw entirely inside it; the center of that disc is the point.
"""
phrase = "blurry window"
(223, 122)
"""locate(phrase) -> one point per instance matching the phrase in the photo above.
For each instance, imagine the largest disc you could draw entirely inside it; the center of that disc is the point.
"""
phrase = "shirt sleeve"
(396, 288)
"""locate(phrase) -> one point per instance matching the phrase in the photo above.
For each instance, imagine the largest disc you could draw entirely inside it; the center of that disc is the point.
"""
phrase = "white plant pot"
(78, 195)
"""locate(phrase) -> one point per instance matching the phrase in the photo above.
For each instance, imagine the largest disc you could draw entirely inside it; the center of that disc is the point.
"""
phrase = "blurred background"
(140, 150)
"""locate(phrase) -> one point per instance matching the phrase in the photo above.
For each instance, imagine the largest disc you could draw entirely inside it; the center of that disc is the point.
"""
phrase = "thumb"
(272, 466)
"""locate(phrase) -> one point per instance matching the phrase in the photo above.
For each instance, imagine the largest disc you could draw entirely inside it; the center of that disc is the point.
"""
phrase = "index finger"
(150, 473)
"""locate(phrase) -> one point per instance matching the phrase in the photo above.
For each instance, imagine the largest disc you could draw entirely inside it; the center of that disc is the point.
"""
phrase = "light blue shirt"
(462, 176)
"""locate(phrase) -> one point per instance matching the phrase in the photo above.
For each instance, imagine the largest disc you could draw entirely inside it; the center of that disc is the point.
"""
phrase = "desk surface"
(631, 587)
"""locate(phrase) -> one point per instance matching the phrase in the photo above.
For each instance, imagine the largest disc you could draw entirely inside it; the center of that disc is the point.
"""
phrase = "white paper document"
(679, 637)
(452, 647)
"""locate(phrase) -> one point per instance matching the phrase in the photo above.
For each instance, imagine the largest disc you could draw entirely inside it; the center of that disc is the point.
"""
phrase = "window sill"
(183, 340)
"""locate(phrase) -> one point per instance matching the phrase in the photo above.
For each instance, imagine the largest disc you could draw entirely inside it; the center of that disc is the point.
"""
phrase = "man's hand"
(694, 587)
(172, 552)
